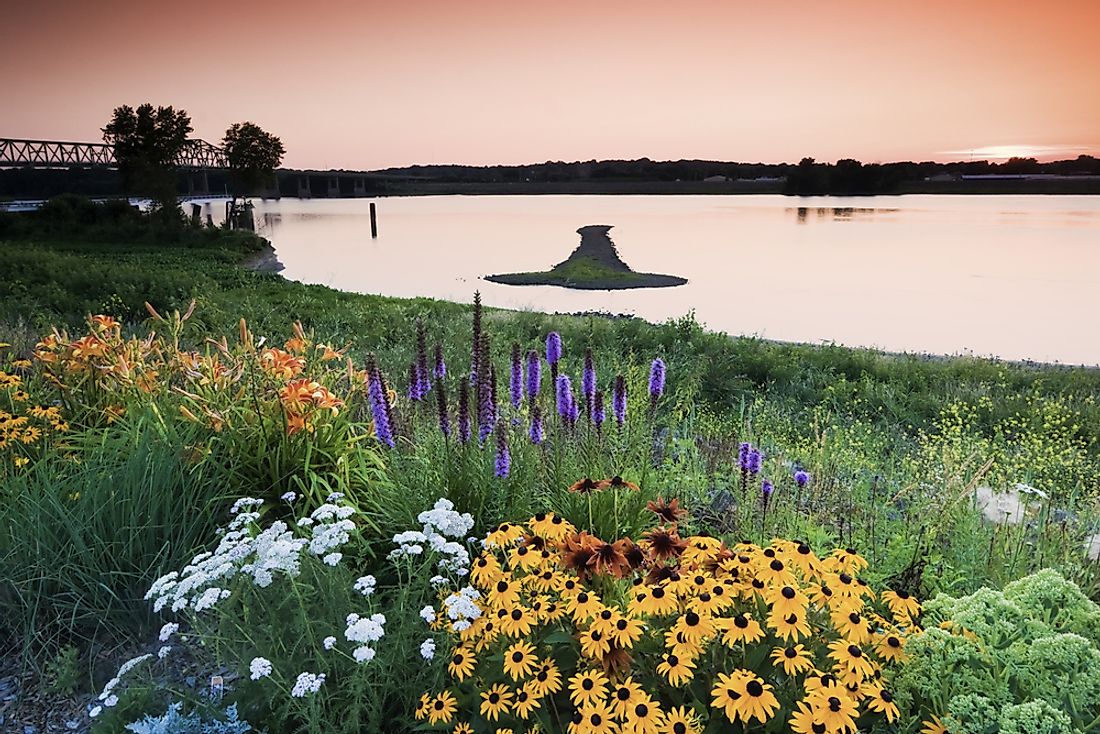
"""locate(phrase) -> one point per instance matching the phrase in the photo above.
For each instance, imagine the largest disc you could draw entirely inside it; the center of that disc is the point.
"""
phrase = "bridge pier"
(304, 191)
(197, 183)
(360, 187)
(333, 190)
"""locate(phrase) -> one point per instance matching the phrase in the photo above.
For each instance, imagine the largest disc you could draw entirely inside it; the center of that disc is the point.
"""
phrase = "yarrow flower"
(427, 649)
(288, 497)
(259, 668)
(428, 614)
(167, 631)
(333, 559)
(365, 585)
(329, 642)
(307, 683)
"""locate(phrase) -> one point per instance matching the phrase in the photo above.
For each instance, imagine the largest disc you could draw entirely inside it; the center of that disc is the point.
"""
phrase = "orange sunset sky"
(366, 84)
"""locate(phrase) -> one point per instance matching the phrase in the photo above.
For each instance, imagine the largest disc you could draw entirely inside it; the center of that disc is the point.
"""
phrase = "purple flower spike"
(464, 411)
(618, 400)
(379, 407)
(486, 408)
(515, 385)
(534, 375)
(588, 381)
(564, 396)
(414, 383)
(766, 490)
(440, 365)
(504, 459)
(598, 413)
(553, 347)
(423, 381)
(754, 462)
(801, 478)
(743, 455)
(657, 379)
(536, 432)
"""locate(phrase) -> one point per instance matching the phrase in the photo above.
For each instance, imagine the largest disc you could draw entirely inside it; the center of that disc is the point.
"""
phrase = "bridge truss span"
(18, 153)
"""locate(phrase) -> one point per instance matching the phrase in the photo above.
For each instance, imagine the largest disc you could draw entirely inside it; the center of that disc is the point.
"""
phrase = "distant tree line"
(846, 176)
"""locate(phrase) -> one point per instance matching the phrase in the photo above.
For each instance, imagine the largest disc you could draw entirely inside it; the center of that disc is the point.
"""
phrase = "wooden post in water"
(373, 222)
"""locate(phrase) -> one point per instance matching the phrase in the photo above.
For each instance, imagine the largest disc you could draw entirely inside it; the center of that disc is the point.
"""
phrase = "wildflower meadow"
(473, 521)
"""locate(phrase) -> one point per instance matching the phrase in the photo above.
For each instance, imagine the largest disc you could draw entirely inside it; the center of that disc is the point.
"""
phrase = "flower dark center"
(641, 710)
(893, 641)
(493, 698)
(605, 615)
(502, 586)
(741, 621)
(582, 598)
(457, 659)
(754, 688)
(623, 694)
(886, 696)
(658, 593)
(517, 615)
(903, 595)
(673, 661)
(679, 728)
(438, 705)
(776, 565)
(855, 651)
(834, 703)
(853, 618)
(818, 728)
(792, 619)
(787, 592)
(791, 652)
(621, 624)
(588, 684)
(691, 618)
(517, 657)
(596, 719)
(845, 578)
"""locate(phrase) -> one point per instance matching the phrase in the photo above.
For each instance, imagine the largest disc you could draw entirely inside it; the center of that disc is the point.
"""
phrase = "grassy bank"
(127, 441)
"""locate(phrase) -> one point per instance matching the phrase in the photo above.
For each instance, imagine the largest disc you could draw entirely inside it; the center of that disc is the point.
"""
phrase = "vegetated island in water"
(594, 265)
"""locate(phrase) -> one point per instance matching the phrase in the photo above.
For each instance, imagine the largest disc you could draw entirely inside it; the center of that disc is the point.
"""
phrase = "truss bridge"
(16, 153)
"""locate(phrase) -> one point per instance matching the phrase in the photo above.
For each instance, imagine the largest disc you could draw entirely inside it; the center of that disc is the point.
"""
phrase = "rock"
(1008, 508)
(1092, 547)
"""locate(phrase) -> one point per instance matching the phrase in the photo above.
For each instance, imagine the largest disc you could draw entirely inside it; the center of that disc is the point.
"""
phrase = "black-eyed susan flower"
(625, 631)
(625, 695)
(881, 700)
(442, 708)
(695, 627)
(594, 644)
(596, 718)
(495, 701)
(850, 657)
(587, 687)
(805, 720)
(901, 604)
(682, 720)
(678, 643)
(485, 570)
(422, 706)
(790, 627)
(520, 660)
(462, 728)
(838, 712)
(526, 702)
(676, 669)
(644, 717)
(853, 626)
(729, 688)
(669, 512)
(550, 526)
(787, 600)
(584, 486)
(933, 726)
(793, 659)
(462, 664)
(661, 544)
(609, 559)
(547, 679)
(584, 606)
(657, 601)
(517, 621)
(890, 647)
(740, 630)
(504, 535)
(504, 593)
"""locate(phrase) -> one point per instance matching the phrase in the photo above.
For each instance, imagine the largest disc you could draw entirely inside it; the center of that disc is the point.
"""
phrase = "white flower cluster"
(365, 585)
(462, 608)
(107, 697)
(364, 630)
(259, 668)
(307, 683)
(168, 630)
(260, 555)
(441, 524)
(428, 614)
(427, 649)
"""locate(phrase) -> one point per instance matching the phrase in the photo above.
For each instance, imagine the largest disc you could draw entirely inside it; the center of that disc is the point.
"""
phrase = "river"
(1016, 277)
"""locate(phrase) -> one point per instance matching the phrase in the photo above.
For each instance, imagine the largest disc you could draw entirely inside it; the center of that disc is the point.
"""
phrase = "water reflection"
(941, 274)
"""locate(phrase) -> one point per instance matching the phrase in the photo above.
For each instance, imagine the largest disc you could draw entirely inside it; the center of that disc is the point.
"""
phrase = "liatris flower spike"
(564, 396)
(441, 408)
(536, 425)
(534, 375)
(464, 411)
(376, 394)
(515, 384)
(801, 478)
(766, 490)
(440, 365)
(553, 347)
(618, 400)
(588, 379)
(754, 462)
(656, 381)
(503, 459)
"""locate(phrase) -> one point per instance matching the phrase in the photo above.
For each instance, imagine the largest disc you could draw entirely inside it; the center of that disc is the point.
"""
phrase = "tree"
(147, 142)
(253, 155)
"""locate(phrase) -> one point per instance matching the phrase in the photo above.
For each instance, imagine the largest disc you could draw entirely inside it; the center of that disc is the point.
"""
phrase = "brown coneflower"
(608, 558)
(616, 661)
(585, 486)
(635, 556)
(577, 552)
(669, 512)
(664, 543)
(661, 573)
(617, 482)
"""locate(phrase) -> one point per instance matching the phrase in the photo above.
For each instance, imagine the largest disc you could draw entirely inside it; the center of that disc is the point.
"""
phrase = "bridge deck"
(18, 153)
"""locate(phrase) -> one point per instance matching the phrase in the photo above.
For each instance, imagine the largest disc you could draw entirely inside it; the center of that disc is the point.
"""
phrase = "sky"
(363, 84)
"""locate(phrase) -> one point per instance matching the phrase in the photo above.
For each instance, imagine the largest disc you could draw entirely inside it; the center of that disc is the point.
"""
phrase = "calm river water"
(1016, 277)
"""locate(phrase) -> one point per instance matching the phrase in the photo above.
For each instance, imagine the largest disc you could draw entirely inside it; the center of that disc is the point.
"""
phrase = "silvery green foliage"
(173, 722)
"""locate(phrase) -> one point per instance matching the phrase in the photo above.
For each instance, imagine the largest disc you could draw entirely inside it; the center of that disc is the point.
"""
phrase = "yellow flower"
(851, 659)
(678, 670)
(547, 679)
(462, 664)
(644, 717)
(520, 660)
(902, 606)
(587, 688)
(682, 720)
(496, 701)
(794, 659)
(594, 718)
(881, 700)
(442, 708)
(422, 707)
(626, 695)
(790, 627)
(525, 702)
(503, 535)
(594, 644)
(21, 461)
(742, 695)
(517, 622)
(933, 726)
(462, 728)
(891, 647)
(741, 629)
